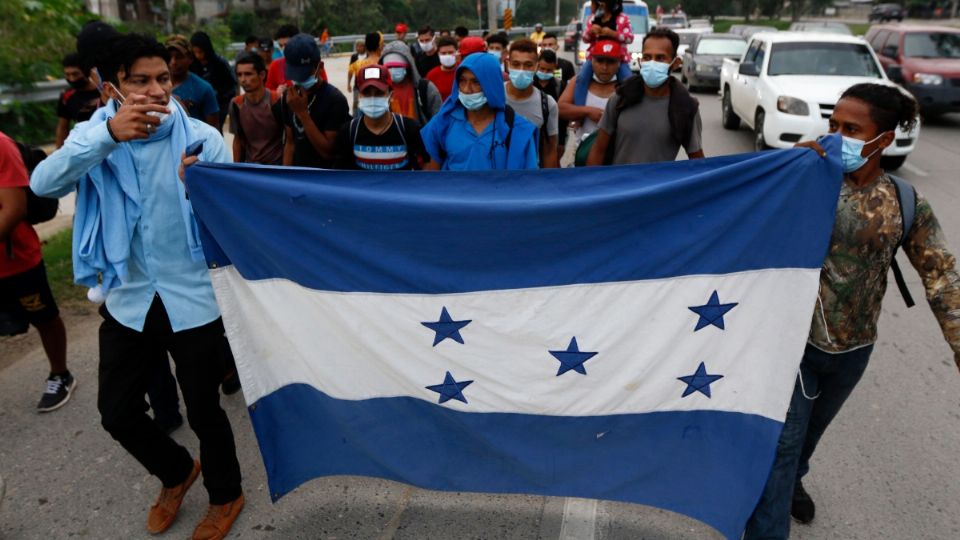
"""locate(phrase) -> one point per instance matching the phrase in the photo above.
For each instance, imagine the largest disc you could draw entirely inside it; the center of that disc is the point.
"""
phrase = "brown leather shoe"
(218, 521)
(164, 511)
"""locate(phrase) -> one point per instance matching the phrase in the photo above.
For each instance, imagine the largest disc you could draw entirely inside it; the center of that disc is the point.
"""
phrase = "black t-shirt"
(78, 105)
(567, 71)
(329, 111)
(427, 62)
(217, 72)
(400, 148)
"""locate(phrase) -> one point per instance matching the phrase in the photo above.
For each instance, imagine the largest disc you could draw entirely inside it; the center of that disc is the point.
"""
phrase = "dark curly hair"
(889, 106)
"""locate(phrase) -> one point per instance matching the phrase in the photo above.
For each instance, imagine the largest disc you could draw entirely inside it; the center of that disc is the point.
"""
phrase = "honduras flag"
(625, 333)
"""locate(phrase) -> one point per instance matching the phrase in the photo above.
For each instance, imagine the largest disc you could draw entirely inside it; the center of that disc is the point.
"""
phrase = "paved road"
(886, 469)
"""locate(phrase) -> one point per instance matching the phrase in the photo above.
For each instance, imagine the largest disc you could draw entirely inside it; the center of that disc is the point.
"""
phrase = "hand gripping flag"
(625, 333)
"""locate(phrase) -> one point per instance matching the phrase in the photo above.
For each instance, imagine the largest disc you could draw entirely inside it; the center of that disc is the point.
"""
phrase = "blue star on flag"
(712, 312)
(446, 327)
(699, 381)
(450, 389)
(572, 358)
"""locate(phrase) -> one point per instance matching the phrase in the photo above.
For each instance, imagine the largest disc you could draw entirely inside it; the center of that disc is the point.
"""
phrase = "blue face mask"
(520, 79)
(544, 76)
(654, 73)
(851, 150)
(472, 102)
(307, 84)
(374, 107)
(397, 74)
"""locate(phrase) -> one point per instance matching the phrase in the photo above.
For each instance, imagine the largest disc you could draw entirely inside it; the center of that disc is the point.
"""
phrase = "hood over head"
(401, 48)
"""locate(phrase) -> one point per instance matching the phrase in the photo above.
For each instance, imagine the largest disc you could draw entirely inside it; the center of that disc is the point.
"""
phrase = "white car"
(639, 16)
(787, 83)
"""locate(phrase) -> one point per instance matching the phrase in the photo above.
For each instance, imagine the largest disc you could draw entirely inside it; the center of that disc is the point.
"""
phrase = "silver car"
(703, 58)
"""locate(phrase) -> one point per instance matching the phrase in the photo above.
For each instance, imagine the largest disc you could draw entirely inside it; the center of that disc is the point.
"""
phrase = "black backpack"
(907, 198)
(39, 209)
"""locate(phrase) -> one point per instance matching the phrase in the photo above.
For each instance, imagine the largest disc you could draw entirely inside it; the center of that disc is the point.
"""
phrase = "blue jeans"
(823, 385)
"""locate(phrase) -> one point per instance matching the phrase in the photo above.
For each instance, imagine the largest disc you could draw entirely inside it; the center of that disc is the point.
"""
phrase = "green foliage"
(242, 24)
(36, 36)
(58, 259)
(32, 123)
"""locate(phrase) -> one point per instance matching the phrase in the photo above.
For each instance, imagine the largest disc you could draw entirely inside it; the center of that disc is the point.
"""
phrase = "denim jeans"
(823, 385)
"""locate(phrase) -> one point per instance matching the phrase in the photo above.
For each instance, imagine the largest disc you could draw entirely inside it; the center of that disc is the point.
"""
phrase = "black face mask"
(79, 84)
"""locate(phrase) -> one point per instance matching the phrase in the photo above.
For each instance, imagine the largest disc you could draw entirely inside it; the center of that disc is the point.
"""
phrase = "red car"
(923, 59)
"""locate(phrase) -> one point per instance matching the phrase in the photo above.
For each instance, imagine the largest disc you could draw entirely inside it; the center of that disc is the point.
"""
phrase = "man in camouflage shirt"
(867, 231)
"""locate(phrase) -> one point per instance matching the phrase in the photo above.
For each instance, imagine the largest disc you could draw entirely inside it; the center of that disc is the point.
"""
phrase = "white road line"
(914, 169)
(579, 519)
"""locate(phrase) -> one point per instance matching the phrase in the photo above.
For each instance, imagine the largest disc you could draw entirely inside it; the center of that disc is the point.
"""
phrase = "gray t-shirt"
(531, 109)
(643, 131)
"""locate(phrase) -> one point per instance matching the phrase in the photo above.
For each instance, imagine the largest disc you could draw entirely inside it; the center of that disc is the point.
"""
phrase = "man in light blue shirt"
(134, 230)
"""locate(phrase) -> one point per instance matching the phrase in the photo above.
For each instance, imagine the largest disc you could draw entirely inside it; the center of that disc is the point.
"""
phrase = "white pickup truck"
(786, 85)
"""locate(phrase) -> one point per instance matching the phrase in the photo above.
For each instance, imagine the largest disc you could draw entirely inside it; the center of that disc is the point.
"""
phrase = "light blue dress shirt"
(160, 261)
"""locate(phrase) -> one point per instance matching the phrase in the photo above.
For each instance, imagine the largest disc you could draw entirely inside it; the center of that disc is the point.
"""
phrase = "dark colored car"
(923, 59)
(887, 12)
(702, 60)
(570, 37)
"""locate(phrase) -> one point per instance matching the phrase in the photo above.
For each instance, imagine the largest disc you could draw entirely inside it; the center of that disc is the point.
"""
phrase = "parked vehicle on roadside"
(786, 85)
(821, 27)
(923, 59)
(570, 37)
(639, 16)
(673, 21)
(688, 35)
(746, 31)
(703, 59)
(887, 12)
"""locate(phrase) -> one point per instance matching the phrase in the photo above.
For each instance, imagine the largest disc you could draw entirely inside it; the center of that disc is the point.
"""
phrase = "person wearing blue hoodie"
(135, 237)
(475, 129)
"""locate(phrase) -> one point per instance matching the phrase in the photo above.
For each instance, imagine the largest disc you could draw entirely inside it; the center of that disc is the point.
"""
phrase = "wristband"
(110, 132)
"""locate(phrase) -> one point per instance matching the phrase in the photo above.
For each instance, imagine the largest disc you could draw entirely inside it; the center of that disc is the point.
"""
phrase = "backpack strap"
(907, 199)
(422, 99)
(354, 128)
(402, 126)
(543, 134)
(509, 115)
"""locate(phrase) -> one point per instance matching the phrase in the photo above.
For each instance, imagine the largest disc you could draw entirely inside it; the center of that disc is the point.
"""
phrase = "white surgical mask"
(426, 46)
(448, 60)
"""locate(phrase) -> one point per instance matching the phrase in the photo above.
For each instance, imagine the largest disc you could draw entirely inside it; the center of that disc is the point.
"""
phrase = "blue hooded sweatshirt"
(451, 140)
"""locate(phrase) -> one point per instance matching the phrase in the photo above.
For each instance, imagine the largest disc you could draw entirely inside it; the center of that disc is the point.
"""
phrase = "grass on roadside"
(58, 258)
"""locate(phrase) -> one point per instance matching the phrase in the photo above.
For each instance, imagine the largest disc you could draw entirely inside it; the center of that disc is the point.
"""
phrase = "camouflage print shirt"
(854, 276)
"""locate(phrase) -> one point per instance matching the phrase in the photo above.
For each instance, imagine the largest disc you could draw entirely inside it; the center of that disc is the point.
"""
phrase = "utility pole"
(492, 15)
(556, 17)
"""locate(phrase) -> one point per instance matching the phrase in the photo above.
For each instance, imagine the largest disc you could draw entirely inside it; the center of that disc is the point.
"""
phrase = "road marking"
(390, 529)
(579, 519)
(914, 169)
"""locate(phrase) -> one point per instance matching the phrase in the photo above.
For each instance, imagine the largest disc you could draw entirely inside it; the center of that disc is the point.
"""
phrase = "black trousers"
(125, 371)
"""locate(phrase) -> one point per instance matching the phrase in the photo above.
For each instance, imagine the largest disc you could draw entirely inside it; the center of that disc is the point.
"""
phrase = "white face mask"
(426, 47)
(448, 60)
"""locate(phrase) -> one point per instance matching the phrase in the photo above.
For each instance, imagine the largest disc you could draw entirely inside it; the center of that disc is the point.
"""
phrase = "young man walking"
(313, 110)
(196, 94)
(413, 96)
(377, 139)
(77, 103)
(530, 102)
(255, 117)
(425, 51)
(475, 130)
(135, 231)
(653, 115)
(24, 290)
(442, 76)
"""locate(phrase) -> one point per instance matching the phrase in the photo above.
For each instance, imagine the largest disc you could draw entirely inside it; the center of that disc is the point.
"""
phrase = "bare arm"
(575, 113)
(213, 120)
(696, 155)
(432, 166)
(237, 148)
(13, 208)
(288, 148)
(599, 150)
(551, 158)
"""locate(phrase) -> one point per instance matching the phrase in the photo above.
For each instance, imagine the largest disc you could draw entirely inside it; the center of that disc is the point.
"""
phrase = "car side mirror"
(749, 68)
(890, 51)
(895, 73)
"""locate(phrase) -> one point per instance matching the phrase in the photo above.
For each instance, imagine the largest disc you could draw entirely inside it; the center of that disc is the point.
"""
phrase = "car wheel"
(759, 141)
(892, 163)
(729, 118)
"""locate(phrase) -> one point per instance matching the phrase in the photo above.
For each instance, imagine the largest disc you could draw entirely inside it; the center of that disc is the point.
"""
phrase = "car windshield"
(932, 45)
(725, 47)
(839, 59)
(673, 20)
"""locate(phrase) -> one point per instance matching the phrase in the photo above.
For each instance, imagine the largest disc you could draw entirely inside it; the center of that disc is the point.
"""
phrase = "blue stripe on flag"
(417, 232)
(710, 465)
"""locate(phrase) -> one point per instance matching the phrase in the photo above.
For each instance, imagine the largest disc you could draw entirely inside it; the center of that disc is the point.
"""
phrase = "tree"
(36, 36)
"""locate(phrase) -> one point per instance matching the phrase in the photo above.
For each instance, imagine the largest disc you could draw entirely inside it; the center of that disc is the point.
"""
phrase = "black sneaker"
(57, 394)
(802, 509)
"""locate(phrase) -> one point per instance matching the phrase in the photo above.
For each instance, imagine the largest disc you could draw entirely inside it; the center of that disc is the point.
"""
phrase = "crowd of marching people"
(433, 100)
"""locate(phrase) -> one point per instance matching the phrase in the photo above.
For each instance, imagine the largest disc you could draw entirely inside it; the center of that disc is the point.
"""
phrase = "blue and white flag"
(624, 333)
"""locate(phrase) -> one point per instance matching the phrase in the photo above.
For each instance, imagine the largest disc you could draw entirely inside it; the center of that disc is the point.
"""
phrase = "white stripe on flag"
(357, 346)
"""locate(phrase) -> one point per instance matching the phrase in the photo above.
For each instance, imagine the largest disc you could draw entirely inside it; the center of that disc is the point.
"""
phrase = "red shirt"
(443, 80)
(26, 244)
(277, 74)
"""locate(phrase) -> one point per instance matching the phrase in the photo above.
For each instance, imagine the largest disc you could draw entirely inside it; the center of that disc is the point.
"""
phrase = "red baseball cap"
(373, 75)
(606, 49)
(470, 45)
(401, 27)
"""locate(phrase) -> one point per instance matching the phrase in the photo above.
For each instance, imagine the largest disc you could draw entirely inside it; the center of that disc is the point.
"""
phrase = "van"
(639, 15)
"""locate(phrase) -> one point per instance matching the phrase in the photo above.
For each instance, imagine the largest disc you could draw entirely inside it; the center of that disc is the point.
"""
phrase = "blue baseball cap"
(302, 55)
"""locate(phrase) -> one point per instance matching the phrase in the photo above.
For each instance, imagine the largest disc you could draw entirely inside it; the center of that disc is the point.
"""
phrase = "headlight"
(790, 105)
(705, 68)
(927, 78)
